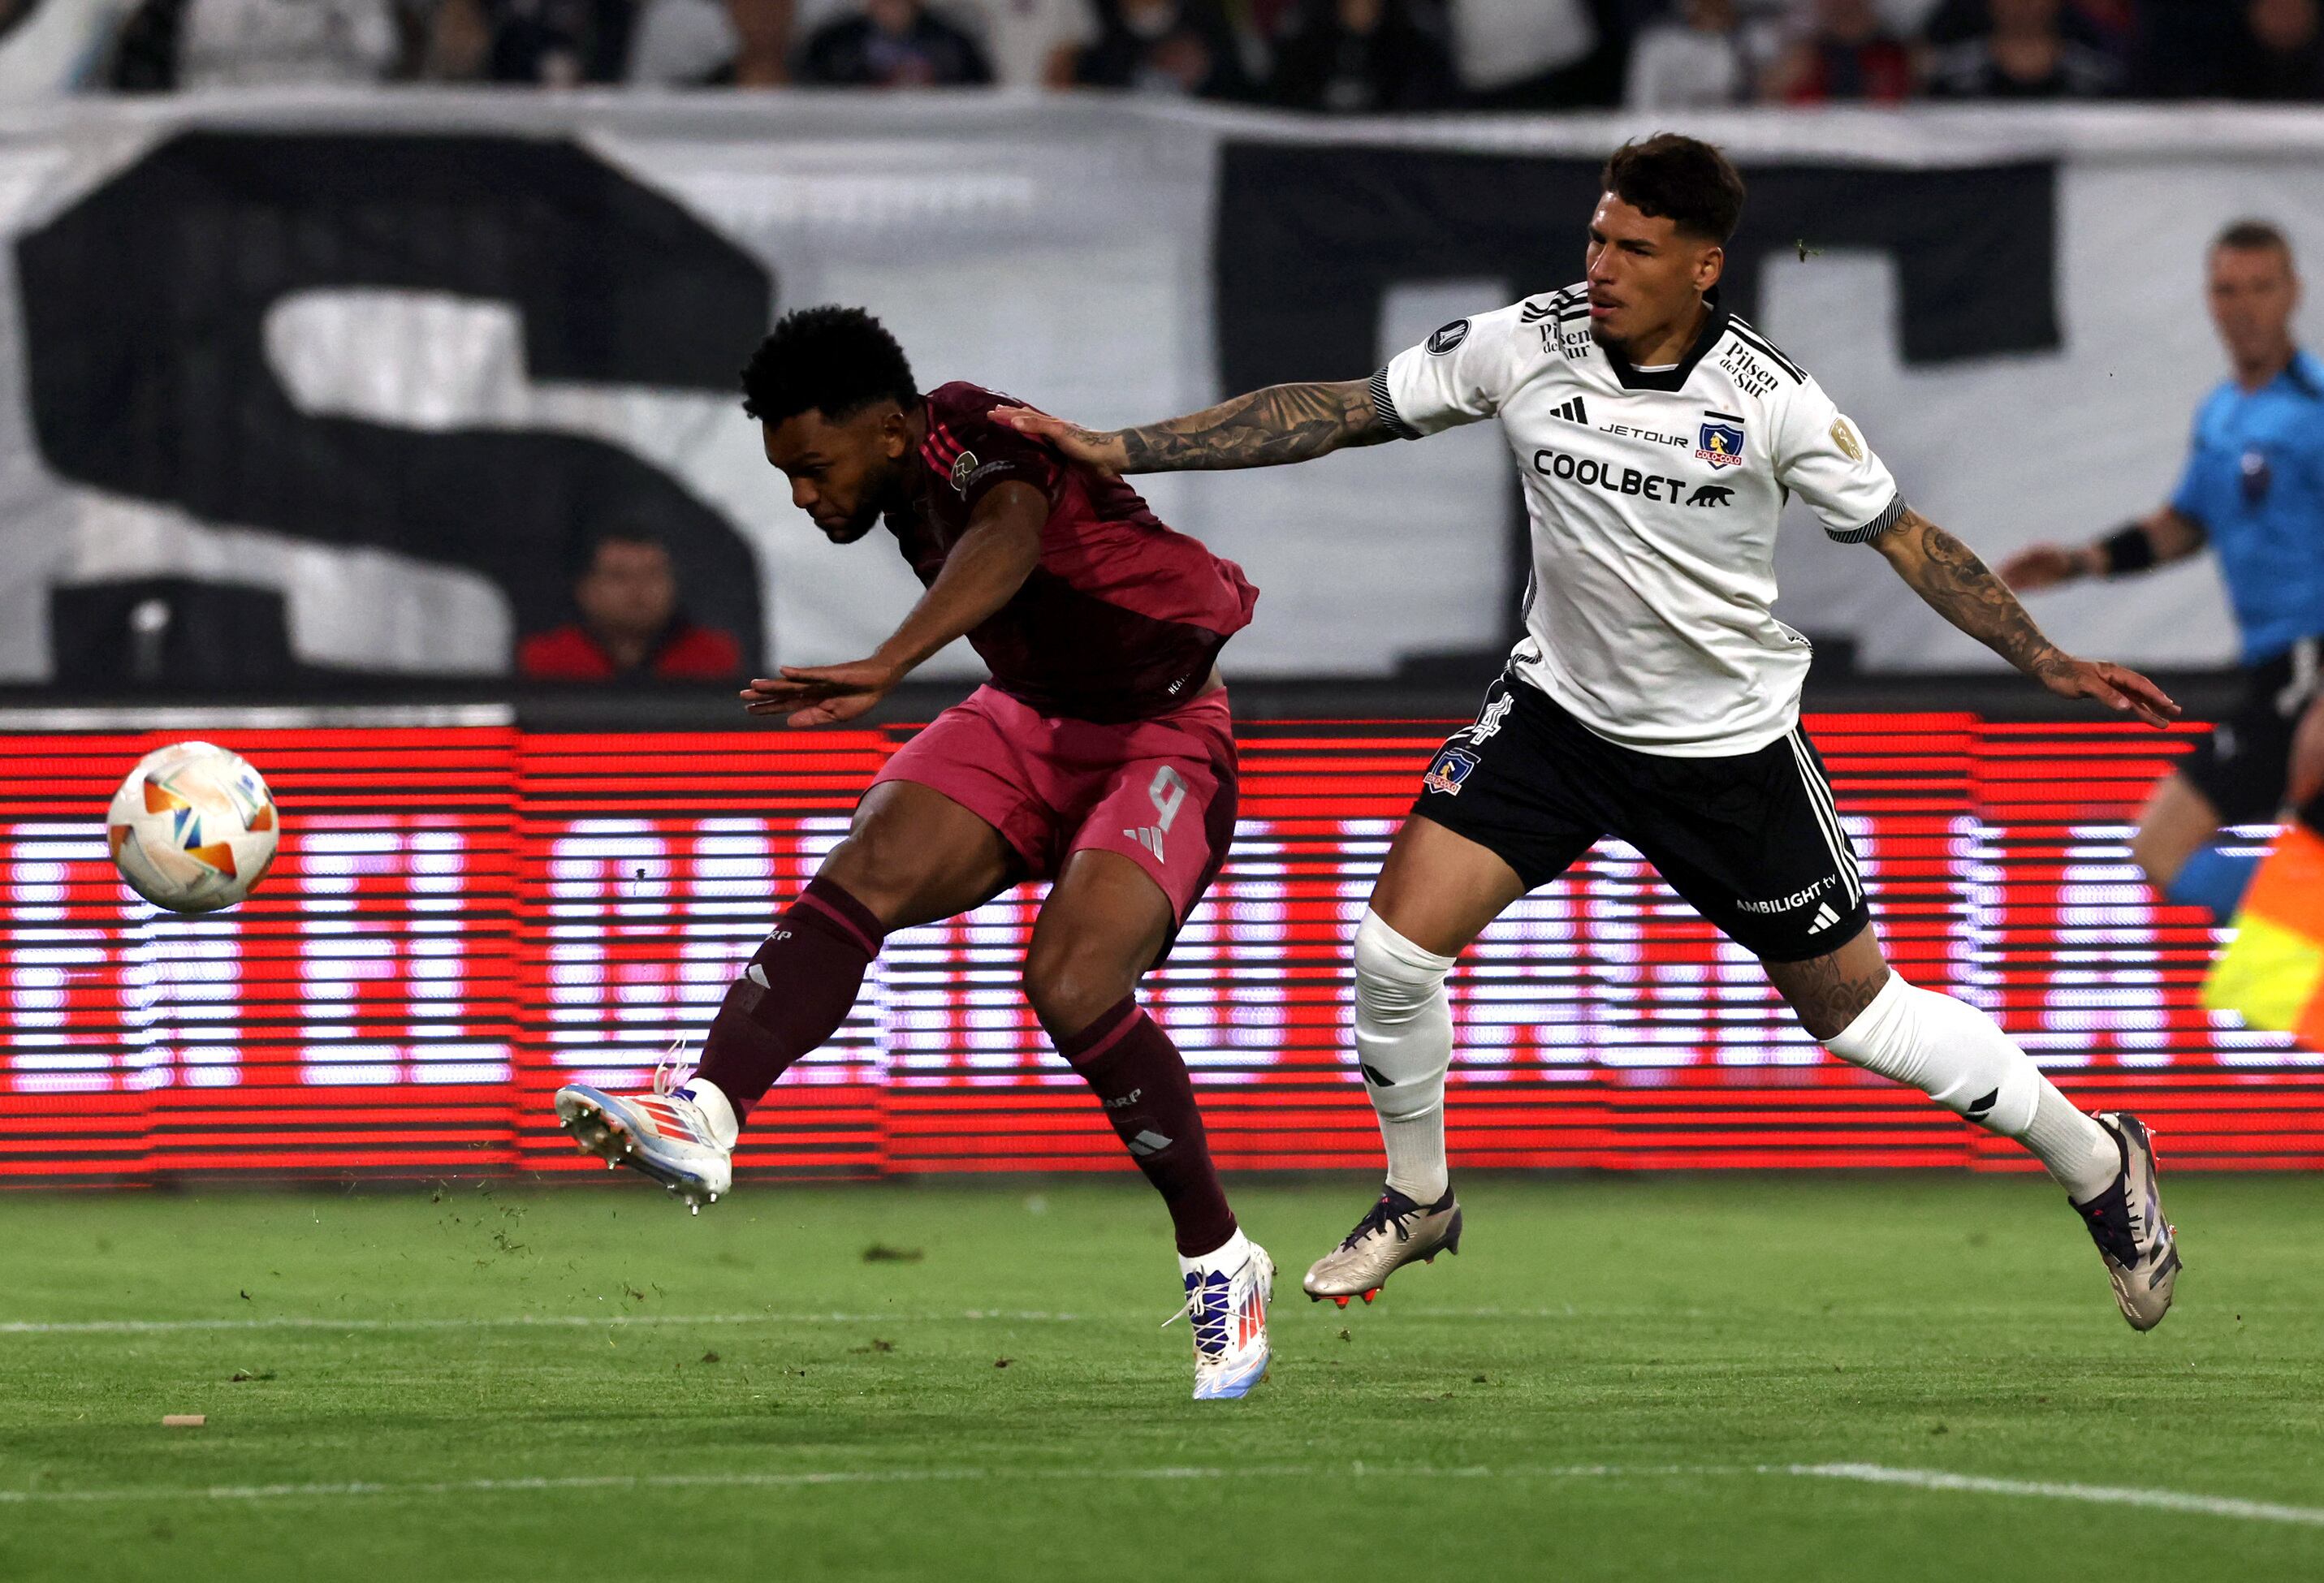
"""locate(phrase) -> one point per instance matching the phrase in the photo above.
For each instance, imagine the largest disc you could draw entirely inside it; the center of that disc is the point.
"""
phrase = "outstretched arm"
(984, 572)
(1265, 429)
(2165, 536)
(1957, 585)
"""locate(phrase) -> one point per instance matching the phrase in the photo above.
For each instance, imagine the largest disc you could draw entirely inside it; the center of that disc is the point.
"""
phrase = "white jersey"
(1654, 498)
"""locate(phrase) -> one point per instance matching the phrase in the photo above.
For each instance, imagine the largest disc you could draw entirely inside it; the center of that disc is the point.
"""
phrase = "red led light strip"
(460, 919)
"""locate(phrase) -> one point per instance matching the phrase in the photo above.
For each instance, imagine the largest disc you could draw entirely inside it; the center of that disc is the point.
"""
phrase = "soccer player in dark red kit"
(1100, 757)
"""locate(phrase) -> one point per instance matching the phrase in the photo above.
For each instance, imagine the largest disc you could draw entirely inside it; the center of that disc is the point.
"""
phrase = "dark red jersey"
(1123, 616)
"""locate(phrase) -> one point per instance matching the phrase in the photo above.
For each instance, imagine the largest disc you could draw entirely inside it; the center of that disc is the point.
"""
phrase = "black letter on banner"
(145, 304)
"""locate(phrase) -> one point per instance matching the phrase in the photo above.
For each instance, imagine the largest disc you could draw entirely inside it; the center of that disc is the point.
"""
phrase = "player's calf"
(795, 992)
(1960, 1058)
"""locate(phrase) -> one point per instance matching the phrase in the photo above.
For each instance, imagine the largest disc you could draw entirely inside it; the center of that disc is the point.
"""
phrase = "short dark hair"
(624, 529)
(836, 360)
(2254, 236)
(1680, 178)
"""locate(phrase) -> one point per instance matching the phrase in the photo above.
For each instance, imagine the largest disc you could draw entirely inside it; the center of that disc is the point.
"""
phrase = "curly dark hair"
(836, 360)
(1682, 178)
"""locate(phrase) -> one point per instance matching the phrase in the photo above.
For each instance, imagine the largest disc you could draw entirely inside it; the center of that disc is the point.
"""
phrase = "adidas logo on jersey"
(1824, 919)
(1574, 412)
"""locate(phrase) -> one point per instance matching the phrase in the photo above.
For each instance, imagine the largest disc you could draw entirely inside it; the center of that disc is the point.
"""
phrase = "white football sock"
(1229, 1256)
(716, 1110)
(1404, 1041)
(1960, 1058)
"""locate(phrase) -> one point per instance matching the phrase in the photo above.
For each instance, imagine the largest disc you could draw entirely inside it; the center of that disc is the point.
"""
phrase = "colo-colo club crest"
(1720, 441)
(963, 468)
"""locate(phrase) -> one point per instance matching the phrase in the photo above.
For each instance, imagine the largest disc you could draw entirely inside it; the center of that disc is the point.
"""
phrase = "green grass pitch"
(1703, 1378)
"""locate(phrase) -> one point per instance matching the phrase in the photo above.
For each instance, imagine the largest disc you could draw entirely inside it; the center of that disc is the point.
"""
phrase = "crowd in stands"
(1340, 56)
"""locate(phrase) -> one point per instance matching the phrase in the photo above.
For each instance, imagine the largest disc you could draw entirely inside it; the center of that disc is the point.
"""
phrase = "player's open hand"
(822, 694)
(2117, 687)
(2042, 566)
(1103, 452)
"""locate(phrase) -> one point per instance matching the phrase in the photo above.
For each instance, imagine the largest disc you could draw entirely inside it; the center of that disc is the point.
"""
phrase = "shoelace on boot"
(1380, 1214)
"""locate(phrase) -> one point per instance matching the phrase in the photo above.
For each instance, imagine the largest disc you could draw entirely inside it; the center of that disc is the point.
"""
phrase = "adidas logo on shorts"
(1824, 919)
(1149, 836)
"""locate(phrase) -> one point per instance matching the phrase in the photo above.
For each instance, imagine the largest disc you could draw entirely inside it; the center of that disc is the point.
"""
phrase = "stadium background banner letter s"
(146, 306)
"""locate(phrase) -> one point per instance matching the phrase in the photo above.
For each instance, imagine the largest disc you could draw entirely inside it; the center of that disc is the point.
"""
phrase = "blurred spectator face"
(1362, 17)
(2282, 27)
(629, 593)
(2020, 17)
(1149, 19)
(2252, 293)
(1848, 20)
(893, 17)
(1710, 16)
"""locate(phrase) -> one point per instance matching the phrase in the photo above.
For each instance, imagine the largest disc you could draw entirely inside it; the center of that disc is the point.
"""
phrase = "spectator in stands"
(2185, 46)
(893, 44)
(1539, 54)
(2111, 27)
(252, 43)
(1184, 48)
(1362, 58)
(1846, 55)
(2279, 57)
(1693, 61)
(630, 627)
(2026, 55)
(543, 43)
(681, 43)
(1033, 44)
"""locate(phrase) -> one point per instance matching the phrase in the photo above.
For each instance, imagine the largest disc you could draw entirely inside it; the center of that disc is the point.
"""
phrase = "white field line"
(1854, 1472)
(2100, 1495)
(515, 1321)
(134, 1327)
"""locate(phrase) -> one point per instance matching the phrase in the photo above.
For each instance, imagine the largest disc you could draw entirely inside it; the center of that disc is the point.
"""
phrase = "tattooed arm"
(1957, 585)
(1265, 429)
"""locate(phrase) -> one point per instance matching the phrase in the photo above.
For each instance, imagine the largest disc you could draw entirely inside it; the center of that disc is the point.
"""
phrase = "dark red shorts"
(1161, 792)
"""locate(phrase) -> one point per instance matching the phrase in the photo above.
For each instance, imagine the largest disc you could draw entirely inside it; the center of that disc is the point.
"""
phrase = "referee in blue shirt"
(2254, 491)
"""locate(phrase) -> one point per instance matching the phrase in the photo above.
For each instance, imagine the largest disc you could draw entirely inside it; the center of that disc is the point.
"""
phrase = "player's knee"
(874, 868)
(1396, 981)
(1071, 986)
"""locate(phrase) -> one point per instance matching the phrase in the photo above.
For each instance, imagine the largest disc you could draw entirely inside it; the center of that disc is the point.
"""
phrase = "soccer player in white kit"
(1654, 696)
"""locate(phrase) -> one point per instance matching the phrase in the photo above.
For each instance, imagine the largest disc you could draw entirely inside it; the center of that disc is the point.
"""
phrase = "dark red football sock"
(1141, 1078)
(794, 994)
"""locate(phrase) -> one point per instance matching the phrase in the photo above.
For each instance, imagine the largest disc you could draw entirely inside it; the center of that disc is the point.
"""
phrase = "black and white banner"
(360, 374)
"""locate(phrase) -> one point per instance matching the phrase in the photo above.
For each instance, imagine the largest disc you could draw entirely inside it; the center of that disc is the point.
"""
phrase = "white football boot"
(2136, 1239)
(1227, 1294)
(682, 1135)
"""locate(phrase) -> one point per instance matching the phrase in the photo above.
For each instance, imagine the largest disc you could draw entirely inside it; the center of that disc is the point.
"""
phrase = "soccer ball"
(192, 829)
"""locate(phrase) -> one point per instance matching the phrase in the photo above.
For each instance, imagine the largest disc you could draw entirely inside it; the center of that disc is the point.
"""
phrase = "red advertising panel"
(462, 918)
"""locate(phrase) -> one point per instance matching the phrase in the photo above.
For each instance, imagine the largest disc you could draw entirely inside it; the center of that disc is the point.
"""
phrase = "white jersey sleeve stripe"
(1384, 403)
(1890, 515)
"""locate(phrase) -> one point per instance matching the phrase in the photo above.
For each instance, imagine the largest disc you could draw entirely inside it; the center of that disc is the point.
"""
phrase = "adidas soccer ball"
(192, 829)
